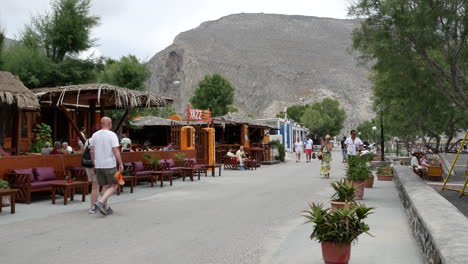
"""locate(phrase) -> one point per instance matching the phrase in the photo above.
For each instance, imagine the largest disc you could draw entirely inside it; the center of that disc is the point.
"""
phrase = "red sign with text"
(198, 114)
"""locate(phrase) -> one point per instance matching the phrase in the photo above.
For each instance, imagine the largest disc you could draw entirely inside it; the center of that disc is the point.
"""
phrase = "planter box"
(369, 182)
(341, 205)
(383, 177)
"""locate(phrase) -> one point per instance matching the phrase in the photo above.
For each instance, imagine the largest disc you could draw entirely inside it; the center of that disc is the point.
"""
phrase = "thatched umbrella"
(14, 97)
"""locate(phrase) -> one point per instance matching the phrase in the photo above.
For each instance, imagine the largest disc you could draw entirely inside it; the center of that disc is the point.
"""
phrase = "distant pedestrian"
(83, 134)
(326, 149)
(308, 149)
(343, 149)
(87, 162)
(105, 154)
(353, 144)
(298, 147)
(126, 143)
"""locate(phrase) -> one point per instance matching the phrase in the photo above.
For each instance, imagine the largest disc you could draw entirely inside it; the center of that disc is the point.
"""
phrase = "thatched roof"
(13, 91)
(153, 121)
(159, 121)
(110, 95)
(237, 118)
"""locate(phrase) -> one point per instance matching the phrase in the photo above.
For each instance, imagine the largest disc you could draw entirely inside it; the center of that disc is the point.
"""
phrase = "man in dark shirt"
(343, 149)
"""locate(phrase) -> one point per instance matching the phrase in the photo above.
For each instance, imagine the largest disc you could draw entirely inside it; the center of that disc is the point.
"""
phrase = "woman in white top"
(298, 147)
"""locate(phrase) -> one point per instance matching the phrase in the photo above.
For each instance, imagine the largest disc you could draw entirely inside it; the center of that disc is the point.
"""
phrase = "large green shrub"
(42, 134)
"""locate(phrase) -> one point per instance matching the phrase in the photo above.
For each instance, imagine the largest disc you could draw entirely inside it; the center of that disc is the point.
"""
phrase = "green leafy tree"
(66, 30)
(432, 33)
(2, 40)
(163, 112)
(213, 92)
(296, 112)
(128, 72)
(365, 131)
(324, 118)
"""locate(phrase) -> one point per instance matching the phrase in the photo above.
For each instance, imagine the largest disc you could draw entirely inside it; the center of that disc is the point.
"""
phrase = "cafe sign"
(198, 114)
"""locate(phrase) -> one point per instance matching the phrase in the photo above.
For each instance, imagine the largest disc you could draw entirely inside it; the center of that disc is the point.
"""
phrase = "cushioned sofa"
(32, 180)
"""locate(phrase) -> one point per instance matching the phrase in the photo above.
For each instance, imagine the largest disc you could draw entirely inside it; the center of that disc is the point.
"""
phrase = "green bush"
(179, 159)
(281, 150)
(42, 134)
(357, 169)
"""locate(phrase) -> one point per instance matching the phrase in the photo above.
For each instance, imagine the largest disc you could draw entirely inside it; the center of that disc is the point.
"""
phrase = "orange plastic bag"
(118, 176)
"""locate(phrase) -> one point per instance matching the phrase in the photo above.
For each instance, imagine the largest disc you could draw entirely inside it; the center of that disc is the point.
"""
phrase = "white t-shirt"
(309, 144)
(103, 141)
(352, 145)
(414, 162)
(298, 146)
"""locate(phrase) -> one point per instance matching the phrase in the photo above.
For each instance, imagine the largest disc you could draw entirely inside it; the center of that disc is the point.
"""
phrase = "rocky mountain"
(273, 61)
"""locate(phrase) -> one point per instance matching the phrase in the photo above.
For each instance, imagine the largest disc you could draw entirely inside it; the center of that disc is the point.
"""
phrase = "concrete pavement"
(241, 217)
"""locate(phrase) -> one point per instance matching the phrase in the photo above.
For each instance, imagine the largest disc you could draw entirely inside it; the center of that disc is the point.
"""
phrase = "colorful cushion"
(171, 163)
(45, 183)
(26, 171)
(44, 174)
(138, 166)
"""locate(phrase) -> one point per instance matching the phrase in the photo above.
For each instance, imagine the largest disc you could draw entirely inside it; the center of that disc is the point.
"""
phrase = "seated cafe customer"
(126, 143)
(46, 149)
(57, 148)
(168, 147)
(241, 157)
(3, 152)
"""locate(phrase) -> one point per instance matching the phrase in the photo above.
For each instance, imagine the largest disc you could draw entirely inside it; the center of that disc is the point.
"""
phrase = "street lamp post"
(382, 148)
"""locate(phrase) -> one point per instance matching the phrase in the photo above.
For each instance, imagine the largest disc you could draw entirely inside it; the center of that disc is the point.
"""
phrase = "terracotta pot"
(340, 205)
(334, 253)
(382, 177)
(369, 182)
(377, 159)
(359, 194)
(387, 170)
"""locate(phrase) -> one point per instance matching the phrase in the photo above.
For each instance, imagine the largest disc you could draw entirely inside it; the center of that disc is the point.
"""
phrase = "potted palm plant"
(357, 174)
(5, 199)
(343, 196)
(336, 229)
(153, 161)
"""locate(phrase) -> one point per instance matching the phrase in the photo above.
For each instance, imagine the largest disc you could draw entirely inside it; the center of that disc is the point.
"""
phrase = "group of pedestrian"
(350, 146)
(238, 157)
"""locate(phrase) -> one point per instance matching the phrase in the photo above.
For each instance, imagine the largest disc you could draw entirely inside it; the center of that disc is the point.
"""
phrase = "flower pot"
(359, 194)
(334, 253)
(387, 170)
(5, 201)
(340, 205)
(383, 177)
(369, 182)
(377, 159)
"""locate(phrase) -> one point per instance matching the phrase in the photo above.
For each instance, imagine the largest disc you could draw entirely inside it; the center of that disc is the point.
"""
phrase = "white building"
(288, 131)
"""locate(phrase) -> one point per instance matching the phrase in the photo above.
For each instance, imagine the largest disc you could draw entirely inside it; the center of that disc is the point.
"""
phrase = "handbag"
(86, 158)
(319, 155)
(313, 155)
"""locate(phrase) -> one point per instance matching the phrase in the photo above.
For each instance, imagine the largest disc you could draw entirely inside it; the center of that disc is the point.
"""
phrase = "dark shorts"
(106, 176)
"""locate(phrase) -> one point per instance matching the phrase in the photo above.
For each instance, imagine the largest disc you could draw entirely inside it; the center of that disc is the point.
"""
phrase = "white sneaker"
(92, 210)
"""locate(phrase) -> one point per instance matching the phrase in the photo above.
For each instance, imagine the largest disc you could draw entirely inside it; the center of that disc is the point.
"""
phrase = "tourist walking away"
(308, 149)
(126, 143)
(326, 155)
(353, 144)
(105, 154)
(343, 149)
(87, 163)
(298, 147)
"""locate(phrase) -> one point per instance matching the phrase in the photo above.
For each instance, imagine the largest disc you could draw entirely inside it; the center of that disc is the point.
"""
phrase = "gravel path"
(241, 217)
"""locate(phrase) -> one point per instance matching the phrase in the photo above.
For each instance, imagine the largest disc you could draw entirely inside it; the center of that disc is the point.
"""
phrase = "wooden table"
(69, 190)
(163, 174)
(190, 171)
(132, 182)
(251, 164)
(213, 167)
(12, 194)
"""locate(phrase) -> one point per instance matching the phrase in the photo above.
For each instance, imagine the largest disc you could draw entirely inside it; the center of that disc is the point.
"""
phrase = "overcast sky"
(144, 27)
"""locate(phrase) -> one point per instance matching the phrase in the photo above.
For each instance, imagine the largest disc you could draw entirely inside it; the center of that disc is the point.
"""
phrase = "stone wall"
(440, 229)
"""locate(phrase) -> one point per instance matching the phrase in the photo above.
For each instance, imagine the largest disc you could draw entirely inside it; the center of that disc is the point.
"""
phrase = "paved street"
(241, 217)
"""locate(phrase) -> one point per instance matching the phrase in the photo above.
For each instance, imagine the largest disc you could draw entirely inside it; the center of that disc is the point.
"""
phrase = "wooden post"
(16, 137)
(72, 123)
(122, 120)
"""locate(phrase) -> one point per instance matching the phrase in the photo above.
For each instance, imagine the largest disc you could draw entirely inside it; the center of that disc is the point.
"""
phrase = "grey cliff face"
(273, 61)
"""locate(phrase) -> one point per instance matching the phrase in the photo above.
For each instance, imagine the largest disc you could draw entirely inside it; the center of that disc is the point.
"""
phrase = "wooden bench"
(434, 173)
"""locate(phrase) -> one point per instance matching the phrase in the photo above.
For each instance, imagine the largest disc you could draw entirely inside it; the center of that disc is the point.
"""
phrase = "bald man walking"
(105, 154)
